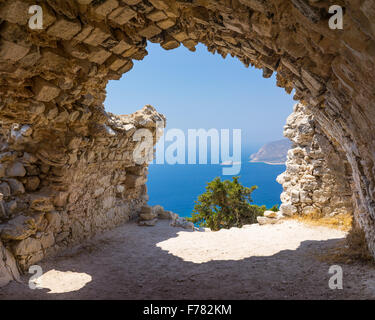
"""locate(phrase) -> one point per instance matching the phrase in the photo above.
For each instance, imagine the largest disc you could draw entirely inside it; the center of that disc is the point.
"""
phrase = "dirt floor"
(255, 262)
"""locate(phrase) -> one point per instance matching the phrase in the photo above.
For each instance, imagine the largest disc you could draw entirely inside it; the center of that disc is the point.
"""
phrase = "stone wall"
(56, 197)
(317, 180)
(53, 83)
(8, 266)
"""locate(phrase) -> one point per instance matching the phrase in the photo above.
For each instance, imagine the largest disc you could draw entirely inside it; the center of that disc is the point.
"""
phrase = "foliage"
(275, 208)
(226, 204)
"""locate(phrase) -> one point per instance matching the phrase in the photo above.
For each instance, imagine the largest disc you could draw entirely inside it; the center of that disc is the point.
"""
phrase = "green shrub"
(275, 208)
(226, 204)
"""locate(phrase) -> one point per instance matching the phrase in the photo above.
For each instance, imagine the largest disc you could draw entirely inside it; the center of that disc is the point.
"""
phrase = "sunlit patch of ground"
(162, 262)
(62, 281)
(237, 244)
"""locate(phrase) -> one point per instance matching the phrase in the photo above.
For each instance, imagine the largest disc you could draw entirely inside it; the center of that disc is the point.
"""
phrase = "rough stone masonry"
(317, 180)
(65, 175)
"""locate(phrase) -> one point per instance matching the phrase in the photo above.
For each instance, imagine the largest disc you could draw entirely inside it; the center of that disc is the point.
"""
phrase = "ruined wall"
(53, 80)
(53, 198)
(317, 180)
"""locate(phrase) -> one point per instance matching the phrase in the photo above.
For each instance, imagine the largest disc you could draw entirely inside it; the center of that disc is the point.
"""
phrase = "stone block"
(18, 228)
(288, 209)
(54, 220)
(47, 240)
(15, 11)
(77, 51)
(115, 63)
(16, 169)
(127, 67)
(26, 247)
(157, 15)
(97, 37)
(264, 220)
(106, 8)
(41, 202)
(131, 2)
(64, 29)
(150, 31)
(12, 51)
(181, 36)
(45, 91)
(99, 55)
(270, 214)
(84, 33)
(169, 43)
(166, 24)
(134, 180)
(16, 187)
(5, 189)
(121, 47)
(122, 15)
(148, 223)
(147, 216)
(8, 267)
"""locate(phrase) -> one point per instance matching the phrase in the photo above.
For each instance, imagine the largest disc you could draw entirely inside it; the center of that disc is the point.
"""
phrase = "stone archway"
(59, 146)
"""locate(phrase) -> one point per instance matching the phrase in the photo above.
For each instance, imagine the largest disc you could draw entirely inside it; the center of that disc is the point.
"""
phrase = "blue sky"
(201, 90)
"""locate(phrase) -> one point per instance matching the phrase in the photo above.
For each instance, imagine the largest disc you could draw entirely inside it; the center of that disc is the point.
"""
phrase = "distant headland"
(274, 153)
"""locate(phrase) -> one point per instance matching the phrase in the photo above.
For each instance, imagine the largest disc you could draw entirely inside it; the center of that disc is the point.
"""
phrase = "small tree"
(226, 204)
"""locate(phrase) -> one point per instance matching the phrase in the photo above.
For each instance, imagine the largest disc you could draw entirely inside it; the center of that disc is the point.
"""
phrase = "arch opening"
(53, 87)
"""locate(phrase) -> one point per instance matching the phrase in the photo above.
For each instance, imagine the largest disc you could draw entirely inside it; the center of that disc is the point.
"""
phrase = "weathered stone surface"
(150, 31)
(26, 247)
(270, 214)
(41, 202)
(8, 267)
(166, 24)
(15, 12)
(266, 220)
(54, 80)
(18, 228)
(147, 216)
(64, 29)
(12, 51)
(5, 189)
(47, 240)
(16, 187)
(181, 222)
(148, 223)
(54, 220)
(97, 37)
(317, 172)
(32, 183)
(122, 15)
(45, 91)
(91, 193)
(105, 8)
(99, 56)
(16, 170)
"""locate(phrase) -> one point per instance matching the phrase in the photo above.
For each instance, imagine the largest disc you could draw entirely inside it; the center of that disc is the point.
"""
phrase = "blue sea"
(176, 187)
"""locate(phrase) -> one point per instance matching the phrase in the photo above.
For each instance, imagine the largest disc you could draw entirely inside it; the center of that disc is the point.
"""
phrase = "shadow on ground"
(128, 263)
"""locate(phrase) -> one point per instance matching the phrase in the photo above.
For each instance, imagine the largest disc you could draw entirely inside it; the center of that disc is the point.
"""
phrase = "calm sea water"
(176, 187)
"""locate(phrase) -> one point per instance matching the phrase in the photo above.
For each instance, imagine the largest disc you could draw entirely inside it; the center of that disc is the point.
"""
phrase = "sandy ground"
(162, 262)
